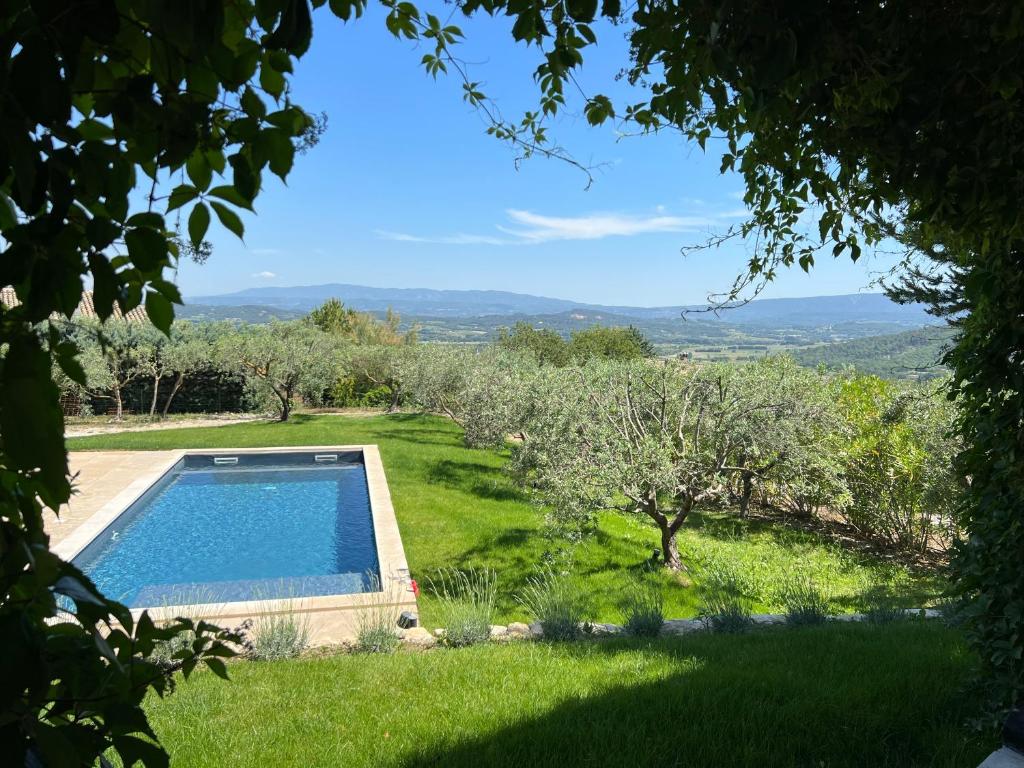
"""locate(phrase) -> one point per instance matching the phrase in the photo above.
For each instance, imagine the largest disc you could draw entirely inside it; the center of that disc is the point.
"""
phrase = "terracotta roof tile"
(9, 298)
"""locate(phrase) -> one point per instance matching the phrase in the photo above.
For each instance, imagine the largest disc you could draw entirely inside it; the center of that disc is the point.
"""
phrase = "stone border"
(330, 618)
(423, 638)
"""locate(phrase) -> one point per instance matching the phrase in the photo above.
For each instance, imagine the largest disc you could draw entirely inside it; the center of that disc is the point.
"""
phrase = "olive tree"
(784, 435)
(436, 378)
(121, 352)
(189, 350)
(280, 361)
(654, 439)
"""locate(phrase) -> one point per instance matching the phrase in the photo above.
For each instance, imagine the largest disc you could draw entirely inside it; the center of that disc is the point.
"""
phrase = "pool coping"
(396, 585)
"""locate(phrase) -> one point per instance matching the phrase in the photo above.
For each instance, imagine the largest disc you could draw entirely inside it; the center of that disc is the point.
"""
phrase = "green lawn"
(456, 506)
(840, 695)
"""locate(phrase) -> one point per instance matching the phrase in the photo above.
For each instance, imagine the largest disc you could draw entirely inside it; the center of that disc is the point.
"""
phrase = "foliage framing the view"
(837, 114)
(105, 105)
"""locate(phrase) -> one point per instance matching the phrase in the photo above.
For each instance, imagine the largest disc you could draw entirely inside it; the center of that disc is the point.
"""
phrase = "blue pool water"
(271, 526)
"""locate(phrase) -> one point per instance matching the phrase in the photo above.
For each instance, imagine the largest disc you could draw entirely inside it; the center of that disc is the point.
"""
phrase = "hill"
(817, 311)
(911, 354)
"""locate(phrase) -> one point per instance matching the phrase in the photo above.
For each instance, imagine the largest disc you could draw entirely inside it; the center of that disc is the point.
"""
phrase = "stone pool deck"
(107, 482)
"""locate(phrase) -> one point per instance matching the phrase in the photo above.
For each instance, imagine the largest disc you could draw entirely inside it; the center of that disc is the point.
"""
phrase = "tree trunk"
(119, 405)
(179, 379)
(746, 493)
(670, 549)
(156, 392)
(284, 394)
(393, 408)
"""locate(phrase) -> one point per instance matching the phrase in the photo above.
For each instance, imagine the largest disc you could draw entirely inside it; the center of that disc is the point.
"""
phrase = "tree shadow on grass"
(419, 437)
(475, 478)
(798, 698)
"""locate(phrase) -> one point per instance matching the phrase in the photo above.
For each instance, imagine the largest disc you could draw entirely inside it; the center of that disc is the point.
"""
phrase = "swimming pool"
(222, 528)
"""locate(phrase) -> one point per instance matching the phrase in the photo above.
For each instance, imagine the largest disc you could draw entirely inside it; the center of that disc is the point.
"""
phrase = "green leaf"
(271, 80)
(8, 214)
(199, 171)
(159, 310)
(104, 284)
(344, 9)
(183, 193)
(78, 589)
(279, 150)
(582, 10)
(134, 750)
(146, 219)
(246, 180)
(147, 248)
(31, 421)
(229, 219)
(230, 195)
(68, 361)
(168, 289)
(198, 223)
(252, 104)
(101, 232)
(217, 667)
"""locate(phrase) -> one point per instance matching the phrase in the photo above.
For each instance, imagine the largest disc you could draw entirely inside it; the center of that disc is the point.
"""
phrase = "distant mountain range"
(427, 303)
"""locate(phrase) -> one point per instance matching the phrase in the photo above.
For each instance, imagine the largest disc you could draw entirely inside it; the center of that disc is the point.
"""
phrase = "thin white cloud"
(529, 228)
(457, 239)
(535, 228)
(265, 275)
(266, 251)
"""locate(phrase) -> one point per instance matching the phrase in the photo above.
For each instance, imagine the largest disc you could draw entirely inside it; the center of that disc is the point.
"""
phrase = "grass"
(456, 507)
(836, 695)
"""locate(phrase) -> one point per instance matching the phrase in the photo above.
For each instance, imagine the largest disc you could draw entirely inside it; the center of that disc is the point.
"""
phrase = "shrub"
(465, 605)
(278, 636)
(723, 605)
(378, 397)
(556, 602)
(643, 608)
(805, 602)
(343, 392)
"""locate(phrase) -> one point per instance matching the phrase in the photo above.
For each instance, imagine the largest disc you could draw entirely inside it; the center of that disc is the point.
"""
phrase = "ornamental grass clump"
(643, 607)
(465, 604)
(723, 606)
(556, 602)
(377, 621)
(882, 608)
(805, 602)
(277, 631)
(278, 636)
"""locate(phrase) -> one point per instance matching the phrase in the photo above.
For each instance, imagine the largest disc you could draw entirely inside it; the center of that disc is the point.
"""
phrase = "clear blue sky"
(405, 190)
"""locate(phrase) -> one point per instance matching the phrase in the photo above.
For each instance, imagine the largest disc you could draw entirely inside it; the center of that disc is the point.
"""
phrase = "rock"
(536, 629)
(439, 632)
(598, 629)
(849, 617)
(766, 619)
(924, 613)
(681, 626)
(518, 628)
(498, 630)
(418, 636)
